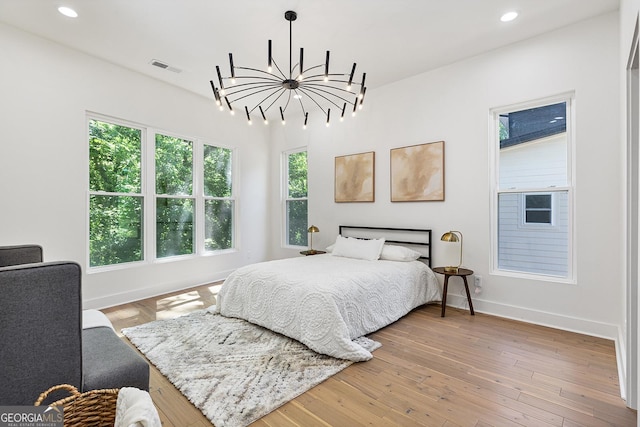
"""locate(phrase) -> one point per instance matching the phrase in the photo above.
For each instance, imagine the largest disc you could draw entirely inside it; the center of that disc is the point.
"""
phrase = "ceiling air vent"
(164, 66)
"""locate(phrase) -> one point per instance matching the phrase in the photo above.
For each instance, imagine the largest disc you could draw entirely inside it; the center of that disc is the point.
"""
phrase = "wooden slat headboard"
(418, 239)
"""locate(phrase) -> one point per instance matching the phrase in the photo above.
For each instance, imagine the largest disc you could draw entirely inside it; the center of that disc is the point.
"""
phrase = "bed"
(326, 301)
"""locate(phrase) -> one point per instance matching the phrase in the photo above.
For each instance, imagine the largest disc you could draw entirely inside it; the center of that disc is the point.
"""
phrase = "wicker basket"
(94, 408)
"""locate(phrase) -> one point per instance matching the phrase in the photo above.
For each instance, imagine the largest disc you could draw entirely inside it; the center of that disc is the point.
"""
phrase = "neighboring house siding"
(539, 248)
(520, 164)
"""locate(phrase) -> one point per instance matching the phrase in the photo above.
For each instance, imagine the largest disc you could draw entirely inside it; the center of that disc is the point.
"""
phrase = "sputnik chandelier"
(274, 90)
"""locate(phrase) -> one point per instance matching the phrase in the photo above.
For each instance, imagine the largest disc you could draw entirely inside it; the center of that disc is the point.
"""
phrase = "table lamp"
(311, 230)
(451, 236)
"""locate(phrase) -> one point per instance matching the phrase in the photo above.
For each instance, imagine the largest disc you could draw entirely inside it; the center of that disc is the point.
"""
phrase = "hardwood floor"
(460, 370)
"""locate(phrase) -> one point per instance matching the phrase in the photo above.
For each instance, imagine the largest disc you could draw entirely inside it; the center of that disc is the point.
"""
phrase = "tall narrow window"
(115, 194)
(533, 191)
(175, 202)
(218, 198)
(296, 198)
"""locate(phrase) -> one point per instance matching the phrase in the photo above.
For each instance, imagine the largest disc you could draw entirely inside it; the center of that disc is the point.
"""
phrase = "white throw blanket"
(95, 319)
(326, 301)
(134, 408)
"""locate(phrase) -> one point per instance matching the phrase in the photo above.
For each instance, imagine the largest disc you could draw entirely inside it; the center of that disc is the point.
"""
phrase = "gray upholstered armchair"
(42, 339)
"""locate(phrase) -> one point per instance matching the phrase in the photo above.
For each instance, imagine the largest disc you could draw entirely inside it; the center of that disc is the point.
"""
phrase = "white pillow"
(398, 253)
(358, 248)
(330, 248)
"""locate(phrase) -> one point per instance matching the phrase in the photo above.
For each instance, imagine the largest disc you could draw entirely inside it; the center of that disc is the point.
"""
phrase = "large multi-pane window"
(295, 201)
(533, 189)
(152, 195)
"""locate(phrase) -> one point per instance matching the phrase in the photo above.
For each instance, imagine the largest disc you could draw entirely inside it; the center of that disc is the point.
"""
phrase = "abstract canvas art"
(417, 173)
(355, 178)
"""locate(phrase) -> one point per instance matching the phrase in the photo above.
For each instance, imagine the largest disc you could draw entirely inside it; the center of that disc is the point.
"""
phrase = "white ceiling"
(389, 39)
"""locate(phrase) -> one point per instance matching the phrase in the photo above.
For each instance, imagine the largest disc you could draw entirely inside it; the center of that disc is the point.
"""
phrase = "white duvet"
(326, 301)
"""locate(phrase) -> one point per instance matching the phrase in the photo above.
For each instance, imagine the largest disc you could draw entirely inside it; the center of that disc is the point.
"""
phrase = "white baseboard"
(148, 292)
(537, 317)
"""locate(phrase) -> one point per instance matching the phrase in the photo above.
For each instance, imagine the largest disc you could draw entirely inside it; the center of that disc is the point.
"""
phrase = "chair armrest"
(40, 329)
(21, 254)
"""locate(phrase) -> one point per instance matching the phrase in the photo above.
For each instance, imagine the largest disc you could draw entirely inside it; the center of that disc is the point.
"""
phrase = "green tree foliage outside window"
(219, 207)
(297, 199)
(174, 215)
(115, 214)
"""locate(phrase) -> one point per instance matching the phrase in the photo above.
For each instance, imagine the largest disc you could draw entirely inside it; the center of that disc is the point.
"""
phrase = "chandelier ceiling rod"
(322, 90)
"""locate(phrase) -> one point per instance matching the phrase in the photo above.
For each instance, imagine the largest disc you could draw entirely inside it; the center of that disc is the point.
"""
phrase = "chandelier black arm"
(234, 88)
(321, 79)
(254, 86)
(257, 70)
(304, 113)
(270, 88)
(324, 88)
(274, 91)
(273, 61)
(275, 100)
(326, 98)
(314, 101)
(261, 78)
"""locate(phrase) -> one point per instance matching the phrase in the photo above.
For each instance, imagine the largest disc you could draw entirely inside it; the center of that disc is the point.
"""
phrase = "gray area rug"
(233, 371)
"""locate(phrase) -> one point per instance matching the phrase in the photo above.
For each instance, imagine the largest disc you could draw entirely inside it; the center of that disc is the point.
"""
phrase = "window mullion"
(198, 194)
(149, 190)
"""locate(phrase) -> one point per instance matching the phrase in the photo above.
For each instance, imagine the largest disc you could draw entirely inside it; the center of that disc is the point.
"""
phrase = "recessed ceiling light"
(67, 11)
(509, 16)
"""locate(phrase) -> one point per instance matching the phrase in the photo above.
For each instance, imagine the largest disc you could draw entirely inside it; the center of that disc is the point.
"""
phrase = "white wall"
(452, 104)
(45, 91)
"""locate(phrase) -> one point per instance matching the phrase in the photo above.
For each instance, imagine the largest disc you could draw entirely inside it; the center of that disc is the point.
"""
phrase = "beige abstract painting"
(417, 173)
(354, 178)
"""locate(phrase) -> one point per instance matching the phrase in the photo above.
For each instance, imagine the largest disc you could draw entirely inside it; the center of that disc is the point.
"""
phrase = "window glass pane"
(217, 171)
(538, 201)
(538, 217)
(174, 165)
(297, 167)
(533, 148)
(540, 250)
(174, 227)
(114, 158)
(218, 224)
(115, 230)
(297, 224)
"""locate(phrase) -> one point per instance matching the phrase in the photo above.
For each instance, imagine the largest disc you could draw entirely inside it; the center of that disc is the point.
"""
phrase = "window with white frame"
(153, 195)
(295, 197)
(533, 189)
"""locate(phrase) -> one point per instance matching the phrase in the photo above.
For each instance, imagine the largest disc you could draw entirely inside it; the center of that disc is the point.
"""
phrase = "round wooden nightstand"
(460, 272)
(313, 252)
